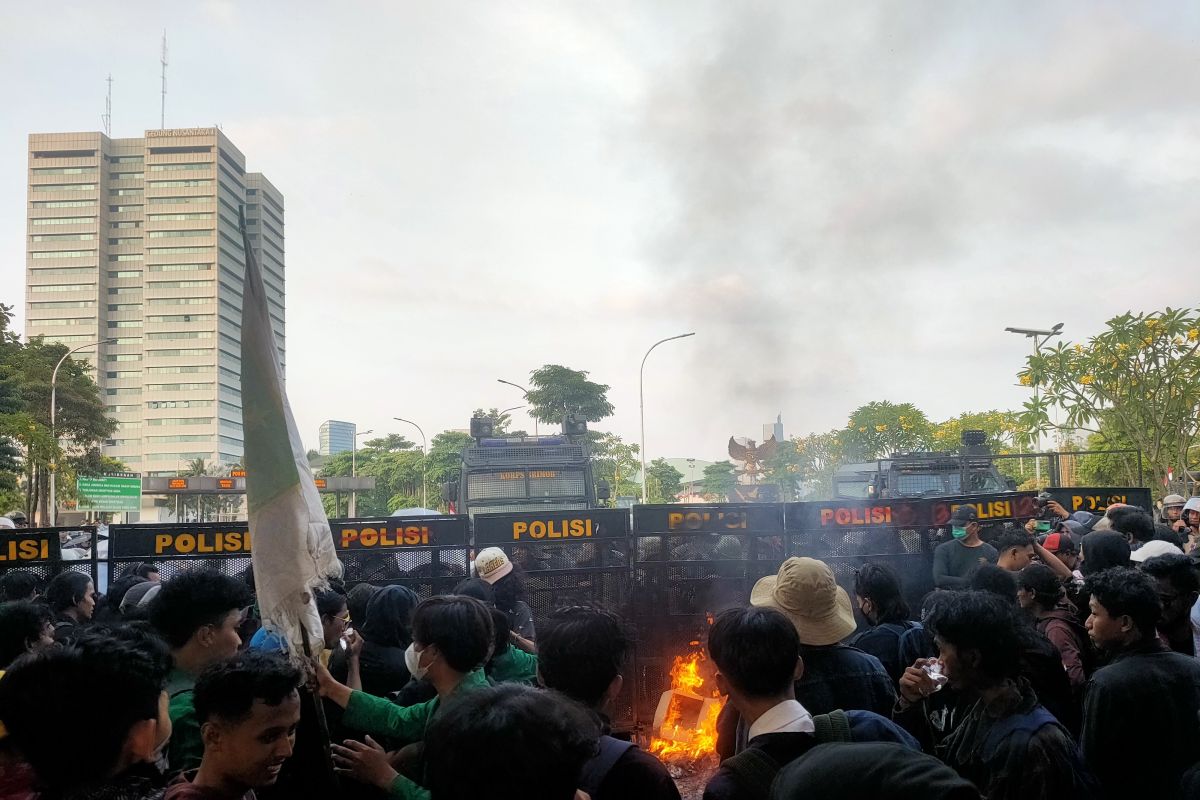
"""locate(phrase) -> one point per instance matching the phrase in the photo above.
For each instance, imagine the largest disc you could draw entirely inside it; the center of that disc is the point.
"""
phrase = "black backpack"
(755, 771)
(597, 768)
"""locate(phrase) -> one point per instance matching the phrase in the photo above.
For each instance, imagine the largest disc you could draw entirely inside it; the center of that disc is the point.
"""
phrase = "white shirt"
(787, 717)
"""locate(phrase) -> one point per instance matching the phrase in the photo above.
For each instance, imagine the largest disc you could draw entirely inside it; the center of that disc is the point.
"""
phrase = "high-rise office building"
(137, 240)
(336, 437)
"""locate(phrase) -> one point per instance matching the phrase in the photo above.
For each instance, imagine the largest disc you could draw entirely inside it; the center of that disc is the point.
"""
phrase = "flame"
(676, 739)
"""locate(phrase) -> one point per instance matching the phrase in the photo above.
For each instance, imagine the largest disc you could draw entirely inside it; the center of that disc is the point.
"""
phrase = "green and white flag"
(293, 550)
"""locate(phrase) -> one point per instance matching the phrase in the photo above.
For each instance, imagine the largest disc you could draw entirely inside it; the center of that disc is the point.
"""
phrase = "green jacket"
(381, 717)
(515, 666)
(186, 747)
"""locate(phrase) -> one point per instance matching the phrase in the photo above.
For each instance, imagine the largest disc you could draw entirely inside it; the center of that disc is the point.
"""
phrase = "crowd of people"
(1055, 661)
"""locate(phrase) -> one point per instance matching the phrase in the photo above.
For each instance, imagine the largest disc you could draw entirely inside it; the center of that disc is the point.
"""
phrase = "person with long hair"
(880, 598)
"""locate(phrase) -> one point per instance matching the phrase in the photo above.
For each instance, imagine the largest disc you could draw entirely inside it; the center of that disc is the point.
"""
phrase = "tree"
(1138, 381)
(557, 391)
(1003, 429)
(719, 480)
(881, 428)
(615, 461)
(396, 465)
(445, 457)
(819, 455)
(11, 423)
(785, 469)
(663, 481)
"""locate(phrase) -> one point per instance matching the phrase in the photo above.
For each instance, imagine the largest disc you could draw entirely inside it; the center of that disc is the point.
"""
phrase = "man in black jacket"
(581, 653)
(1140, 725)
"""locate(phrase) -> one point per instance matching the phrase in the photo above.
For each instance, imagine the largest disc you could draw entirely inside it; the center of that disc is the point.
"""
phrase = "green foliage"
(817, 457)
(556, 391)
(500, 422)
(663, 481)
(881, 428)
(208, 508)
(719, 480)
(785, 469)
(1002, 428)
(1138, 381)
(617, 462)
(395, 464)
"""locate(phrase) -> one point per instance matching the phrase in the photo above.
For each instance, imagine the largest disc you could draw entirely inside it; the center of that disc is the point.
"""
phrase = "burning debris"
(685, 724)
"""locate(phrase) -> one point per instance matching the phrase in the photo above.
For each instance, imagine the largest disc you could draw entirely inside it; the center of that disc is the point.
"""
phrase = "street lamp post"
(1039, 337)
(424, 461)
(526, 393)
(642, 400)
(353, 509)
(53, 415)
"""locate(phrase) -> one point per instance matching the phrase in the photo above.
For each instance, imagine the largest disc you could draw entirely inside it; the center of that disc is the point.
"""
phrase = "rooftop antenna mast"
(107, 115)
(163, 119)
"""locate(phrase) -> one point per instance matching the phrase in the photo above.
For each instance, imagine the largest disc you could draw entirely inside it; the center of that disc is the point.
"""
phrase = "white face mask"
(412, 660)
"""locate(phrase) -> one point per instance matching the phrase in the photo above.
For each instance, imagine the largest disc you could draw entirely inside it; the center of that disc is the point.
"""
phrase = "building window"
(126, 257)
(125, 323)
(181, 200)
(125, 176)
(124, 390)
(123, 209)
(191, 183)
(124, 192)
(46, 323)
(181, 351)
(185, 234)
(169, 167)
(63, 187)
(128, 340)
(65, 254)
(194, 369)
(180, 335)
(129, 224)
(162, 251)
(64, 221)
(63, 203)
(181, 318)
(179, 404)
(63, 170)
(177, 217)
(64, 304)
(125, 241)
(63, 237)
(125, 159)
(63, 271)
(179, 301)
(180, 268)
(125, 290)
(177, 387)
(179, 284)
(128, 373)
(124, 306)
(125, 273)
(64, 287)
(123, 357)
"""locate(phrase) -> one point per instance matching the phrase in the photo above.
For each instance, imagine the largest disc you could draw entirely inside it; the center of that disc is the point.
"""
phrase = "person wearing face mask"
(452, 639)
(881, 600)
(954, 560)
(120, 675)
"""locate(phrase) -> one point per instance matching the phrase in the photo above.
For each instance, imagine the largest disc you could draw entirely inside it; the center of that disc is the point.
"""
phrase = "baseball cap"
(492, 564)
(1154, 548)
(1060, 543)
(962, 515)
(1174, 500)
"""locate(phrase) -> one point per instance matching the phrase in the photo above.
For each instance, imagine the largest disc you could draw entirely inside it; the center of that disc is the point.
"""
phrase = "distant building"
(135, 243)
(336, 437)
(773, 429)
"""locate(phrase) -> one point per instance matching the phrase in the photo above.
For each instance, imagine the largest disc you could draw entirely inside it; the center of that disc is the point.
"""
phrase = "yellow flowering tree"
(1135, 383)
(882, 428)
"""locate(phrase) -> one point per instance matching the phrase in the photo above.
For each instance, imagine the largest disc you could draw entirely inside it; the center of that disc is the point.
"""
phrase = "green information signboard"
(110, 492)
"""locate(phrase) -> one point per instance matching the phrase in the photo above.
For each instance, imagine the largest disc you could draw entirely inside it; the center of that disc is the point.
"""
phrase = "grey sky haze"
(847, 202)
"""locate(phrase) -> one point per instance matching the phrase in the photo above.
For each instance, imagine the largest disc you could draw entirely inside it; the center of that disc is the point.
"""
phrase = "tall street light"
(53, 408)
(1039, 337)
(424, 461)
(525, 392)
(642, 400)
(354, 472)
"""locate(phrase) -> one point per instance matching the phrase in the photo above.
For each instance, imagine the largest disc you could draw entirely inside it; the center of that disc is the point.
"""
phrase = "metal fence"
(45, 552)
(666, 569)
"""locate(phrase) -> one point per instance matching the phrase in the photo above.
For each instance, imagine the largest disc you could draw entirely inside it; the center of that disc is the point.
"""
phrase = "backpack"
(755, 771)
(597, 768)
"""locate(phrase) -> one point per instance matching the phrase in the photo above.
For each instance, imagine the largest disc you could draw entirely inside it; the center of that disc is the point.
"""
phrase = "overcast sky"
(846, 202)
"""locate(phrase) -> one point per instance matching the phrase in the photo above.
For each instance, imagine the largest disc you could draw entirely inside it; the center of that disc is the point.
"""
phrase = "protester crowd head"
(493, 566)
(71, 594)
(136, 601)
(357, 600)
(248, 708)
(978, 639)
(148, 571)
(17, 584)
(331, 605)
(1177, 585)
(1016, 551)
(451, 633)
(19, 520)
(994, 580)
(199, 612)
(110, 680)
(1062, 544)
(1038, 588)
(509, 742)
(388, 618)
(25, 627)
(757, 653)
(582, 652)
(879, 770)
(1134, 524)
(1124, 607)
(478, 588)
(964, 522)
(1102, 550)
(807, 593)
(1152, 549)
(880, 595)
